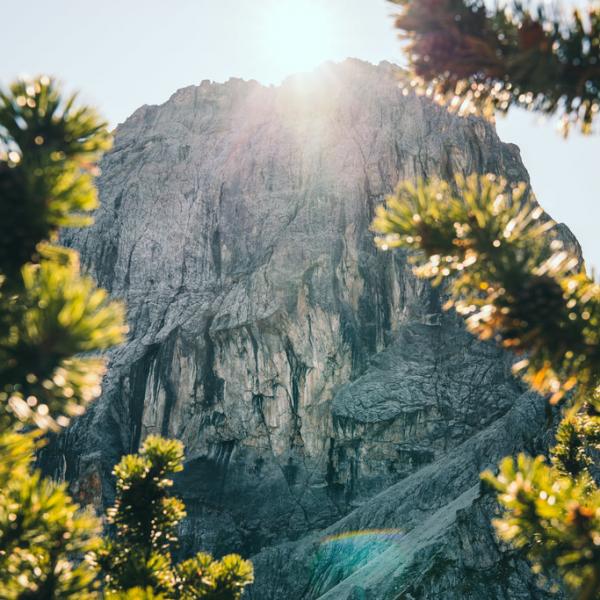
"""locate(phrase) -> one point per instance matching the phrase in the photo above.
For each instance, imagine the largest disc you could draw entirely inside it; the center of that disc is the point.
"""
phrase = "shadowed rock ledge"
(335, 421)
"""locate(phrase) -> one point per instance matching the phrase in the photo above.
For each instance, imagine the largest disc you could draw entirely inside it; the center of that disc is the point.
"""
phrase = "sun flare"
(298, 36)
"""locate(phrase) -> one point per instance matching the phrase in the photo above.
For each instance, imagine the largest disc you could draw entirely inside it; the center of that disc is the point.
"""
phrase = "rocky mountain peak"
(335, 420)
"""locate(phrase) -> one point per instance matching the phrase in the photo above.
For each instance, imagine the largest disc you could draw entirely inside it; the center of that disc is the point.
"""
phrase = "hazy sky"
(125, 53)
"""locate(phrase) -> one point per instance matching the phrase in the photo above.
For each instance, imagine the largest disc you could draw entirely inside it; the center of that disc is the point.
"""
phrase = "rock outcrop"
(335, 421)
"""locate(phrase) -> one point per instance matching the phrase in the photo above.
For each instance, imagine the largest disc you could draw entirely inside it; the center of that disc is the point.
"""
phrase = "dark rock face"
(335, 420)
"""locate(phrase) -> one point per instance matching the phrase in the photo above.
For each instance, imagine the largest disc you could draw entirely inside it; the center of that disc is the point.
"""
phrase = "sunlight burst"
(298, 36)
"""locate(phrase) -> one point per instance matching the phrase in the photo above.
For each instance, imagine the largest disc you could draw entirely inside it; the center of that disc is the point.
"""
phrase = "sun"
(297, 36)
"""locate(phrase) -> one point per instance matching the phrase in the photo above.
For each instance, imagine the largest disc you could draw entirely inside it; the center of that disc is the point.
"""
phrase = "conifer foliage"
(145, 517)
(514, 281)
(505, 266)
(51, 317)
(478, 60)
(54, 321)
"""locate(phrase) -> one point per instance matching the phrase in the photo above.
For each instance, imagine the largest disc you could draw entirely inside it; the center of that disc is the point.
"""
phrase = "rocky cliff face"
(335, 421)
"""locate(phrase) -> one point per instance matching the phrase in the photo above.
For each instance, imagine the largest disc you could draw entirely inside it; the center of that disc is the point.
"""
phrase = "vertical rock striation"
(320, 392)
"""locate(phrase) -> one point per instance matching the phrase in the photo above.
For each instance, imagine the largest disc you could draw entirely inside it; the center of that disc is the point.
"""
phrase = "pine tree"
(511, 277)
(504, 265)
(54, 321)
(137, 558)
(51, 319)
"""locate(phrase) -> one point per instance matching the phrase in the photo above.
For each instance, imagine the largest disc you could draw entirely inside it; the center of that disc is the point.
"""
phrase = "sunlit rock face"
(335, 421)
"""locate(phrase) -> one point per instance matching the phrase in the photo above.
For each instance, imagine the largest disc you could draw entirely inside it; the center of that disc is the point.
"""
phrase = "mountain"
(335, 420)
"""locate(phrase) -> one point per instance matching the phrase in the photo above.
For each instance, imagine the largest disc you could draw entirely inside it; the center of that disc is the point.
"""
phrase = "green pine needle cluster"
(43, 533)
(49, 147)
(577, 437)
(511, 277)
(554, 517)
(477, 59)
(51, 315)
(204, 577)
(145, 516)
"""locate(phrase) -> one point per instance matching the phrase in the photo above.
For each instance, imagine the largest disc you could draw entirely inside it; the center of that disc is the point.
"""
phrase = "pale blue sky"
(125, 53)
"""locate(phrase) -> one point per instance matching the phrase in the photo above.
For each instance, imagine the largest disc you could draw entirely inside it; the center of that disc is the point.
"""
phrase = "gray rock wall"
(335, 421)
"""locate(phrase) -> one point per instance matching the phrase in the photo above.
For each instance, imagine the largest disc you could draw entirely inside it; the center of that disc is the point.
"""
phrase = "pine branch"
(477, 60)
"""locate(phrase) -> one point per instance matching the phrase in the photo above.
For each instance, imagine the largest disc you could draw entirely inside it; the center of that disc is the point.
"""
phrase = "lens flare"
(381, 534)
(350, 551)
